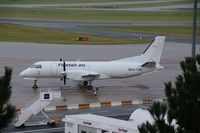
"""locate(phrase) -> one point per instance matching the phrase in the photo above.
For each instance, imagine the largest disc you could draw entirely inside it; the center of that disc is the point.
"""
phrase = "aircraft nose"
(23, 73)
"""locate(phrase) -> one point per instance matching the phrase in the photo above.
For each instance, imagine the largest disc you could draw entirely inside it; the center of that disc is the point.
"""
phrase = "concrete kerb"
(137, 101)
(116, 103)
(73, 106)
(98, 104)
(95, 105)
(61, 107)
(105, 104)
(84, 106)
(50, 108)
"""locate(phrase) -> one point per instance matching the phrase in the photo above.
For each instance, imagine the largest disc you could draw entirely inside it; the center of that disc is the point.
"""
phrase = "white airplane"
(86, 72)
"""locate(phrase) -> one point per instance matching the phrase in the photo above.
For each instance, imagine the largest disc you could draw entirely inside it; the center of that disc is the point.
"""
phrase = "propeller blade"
(64, 76)
(64, 79)
(64, 66)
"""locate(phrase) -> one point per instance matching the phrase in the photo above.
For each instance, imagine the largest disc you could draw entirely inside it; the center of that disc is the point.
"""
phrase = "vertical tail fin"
(151, 54)
(154, 50)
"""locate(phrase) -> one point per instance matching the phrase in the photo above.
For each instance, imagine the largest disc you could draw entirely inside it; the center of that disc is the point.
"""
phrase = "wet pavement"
(21, 55)
(118, 112)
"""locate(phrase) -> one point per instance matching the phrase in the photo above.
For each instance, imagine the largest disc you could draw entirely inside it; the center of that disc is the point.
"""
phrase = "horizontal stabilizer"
(149, 64)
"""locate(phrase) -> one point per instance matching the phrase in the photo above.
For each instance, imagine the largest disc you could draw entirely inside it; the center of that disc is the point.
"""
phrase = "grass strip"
(139, 5)
(19, 33)
(59, 1)
(87, 15)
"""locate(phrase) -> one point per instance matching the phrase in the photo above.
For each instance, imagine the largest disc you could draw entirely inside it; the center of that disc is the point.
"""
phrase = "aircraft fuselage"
(54, 69)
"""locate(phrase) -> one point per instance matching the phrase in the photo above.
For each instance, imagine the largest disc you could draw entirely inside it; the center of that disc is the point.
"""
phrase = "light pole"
(194, 29)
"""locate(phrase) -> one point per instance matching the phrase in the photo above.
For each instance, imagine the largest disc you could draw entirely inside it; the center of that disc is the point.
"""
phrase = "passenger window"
(36, 66)
(33, 66)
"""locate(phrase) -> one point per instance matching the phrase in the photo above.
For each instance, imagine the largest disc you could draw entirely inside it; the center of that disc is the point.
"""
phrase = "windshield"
(36, 66)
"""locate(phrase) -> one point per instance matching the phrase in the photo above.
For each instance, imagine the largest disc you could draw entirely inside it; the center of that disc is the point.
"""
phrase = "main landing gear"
(35, 85)
(90, 87)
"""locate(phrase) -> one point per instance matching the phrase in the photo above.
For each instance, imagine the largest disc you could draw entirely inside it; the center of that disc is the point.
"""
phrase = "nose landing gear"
(35, 85)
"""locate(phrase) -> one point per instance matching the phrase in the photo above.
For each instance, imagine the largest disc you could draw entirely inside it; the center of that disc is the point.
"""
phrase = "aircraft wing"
(82, 75)
(91, 75)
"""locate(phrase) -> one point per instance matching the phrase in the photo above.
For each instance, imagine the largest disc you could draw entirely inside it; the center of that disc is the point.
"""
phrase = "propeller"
(64, 76)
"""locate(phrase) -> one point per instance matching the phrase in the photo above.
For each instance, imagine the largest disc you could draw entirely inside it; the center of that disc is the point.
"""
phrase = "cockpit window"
(36, 66)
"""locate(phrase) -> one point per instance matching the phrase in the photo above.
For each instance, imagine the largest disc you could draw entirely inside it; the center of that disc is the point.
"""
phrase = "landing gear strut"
(89, 87)
(35, 84)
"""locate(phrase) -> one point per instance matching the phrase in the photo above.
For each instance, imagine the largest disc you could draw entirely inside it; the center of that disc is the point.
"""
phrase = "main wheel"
(85, 83)
(35, 86)
(90, 87)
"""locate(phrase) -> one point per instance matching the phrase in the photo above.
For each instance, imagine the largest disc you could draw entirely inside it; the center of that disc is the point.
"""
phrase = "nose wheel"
(35, 85)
